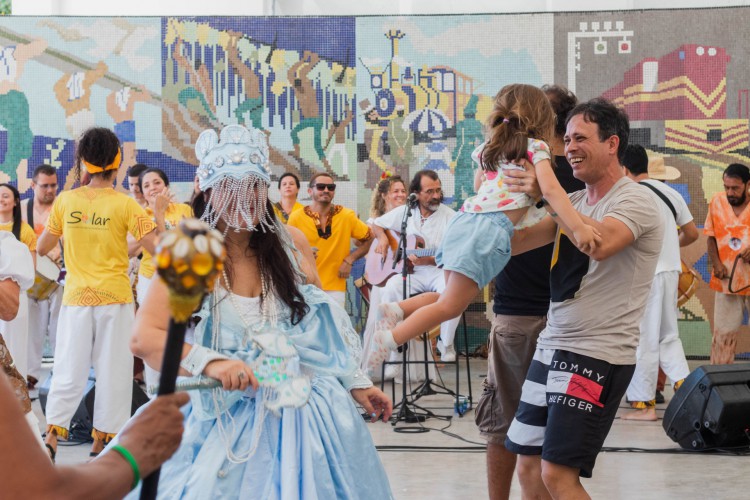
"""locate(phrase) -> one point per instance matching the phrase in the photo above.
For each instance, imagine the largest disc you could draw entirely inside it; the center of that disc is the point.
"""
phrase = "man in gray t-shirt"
(585, 357)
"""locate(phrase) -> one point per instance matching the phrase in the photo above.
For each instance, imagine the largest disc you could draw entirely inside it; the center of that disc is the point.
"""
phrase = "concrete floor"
(451, 473)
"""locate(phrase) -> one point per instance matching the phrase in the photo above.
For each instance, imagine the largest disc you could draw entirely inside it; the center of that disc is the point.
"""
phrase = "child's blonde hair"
(520, 112)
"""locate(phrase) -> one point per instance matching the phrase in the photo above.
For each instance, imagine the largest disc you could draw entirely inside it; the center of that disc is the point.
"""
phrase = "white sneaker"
(449, 354)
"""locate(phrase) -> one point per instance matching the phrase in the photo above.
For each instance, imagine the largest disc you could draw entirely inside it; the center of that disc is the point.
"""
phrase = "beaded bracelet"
(133, 465)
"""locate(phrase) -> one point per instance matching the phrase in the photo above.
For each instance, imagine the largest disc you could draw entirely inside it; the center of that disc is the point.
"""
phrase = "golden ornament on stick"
(188, 259)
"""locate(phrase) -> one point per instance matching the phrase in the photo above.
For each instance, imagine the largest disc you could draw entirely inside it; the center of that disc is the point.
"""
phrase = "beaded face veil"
(234, 167)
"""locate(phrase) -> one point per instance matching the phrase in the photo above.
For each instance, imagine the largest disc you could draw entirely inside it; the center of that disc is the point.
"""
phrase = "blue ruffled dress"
(322, 450)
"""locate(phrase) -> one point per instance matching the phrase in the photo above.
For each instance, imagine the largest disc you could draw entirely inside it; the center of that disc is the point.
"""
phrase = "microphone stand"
(405, 413)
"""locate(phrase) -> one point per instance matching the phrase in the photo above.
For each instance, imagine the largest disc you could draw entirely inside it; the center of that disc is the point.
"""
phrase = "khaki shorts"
(512, 345)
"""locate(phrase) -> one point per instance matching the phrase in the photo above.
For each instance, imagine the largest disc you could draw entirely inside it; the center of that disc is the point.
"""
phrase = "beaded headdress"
(234, 166)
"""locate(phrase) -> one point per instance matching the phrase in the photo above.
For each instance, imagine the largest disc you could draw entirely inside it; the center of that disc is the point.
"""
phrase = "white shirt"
(431, 229)
(669, 258)
(16, 262)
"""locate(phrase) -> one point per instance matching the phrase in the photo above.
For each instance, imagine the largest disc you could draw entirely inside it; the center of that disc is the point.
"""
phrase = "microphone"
(412, 199)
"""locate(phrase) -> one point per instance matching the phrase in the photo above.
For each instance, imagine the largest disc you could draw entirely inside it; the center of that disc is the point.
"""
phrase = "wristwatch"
(541, 203)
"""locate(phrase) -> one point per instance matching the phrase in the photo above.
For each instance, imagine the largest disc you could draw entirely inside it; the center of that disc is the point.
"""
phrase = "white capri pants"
(97, 336)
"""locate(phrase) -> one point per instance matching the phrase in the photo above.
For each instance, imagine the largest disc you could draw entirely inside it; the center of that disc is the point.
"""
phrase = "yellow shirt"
(93, 224)
(333, 242)
(283, 216)
(28, 236)
(175, 213)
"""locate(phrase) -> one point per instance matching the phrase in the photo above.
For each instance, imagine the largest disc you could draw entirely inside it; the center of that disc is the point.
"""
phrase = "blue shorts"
(476, 245)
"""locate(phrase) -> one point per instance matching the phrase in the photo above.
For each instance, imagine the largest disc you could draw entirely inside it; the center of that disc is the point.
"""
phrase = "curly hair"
(520, 112)
(377, 205)
(98, 146)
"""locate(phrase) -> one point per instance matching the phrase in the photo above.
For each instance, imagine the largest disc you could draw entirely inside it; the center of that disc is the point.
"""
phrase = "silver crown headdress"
(235, 168)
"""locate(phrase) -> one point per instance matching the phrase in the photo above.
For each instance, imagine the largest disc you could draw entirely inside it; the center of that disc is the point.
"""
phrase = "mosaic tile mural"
(368, 96)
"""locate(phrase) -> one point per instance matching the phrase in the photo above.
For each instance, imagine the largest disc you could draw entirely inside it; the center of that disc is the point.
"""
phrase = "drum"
(687, 284)
(45, 282)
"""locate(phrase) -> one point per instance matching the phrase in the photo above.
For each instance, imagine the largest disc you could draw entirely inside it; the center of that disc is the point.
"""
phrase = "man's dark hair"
(562, 101)
(610, 119)
(98, 146)
(739, 171)
(319, 174)
(289, 174)
(43, 169)
(136, 170)
(416, 182)
(635, 159)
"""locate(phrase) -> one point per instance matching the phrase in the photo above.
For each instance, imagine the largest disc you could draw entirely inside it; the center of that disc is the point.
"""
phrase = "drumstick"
(188, 259)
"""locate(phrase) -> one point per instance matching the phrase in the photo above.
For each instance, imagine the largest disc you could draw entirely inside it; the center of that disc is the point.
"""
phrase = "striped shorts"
(568, 404)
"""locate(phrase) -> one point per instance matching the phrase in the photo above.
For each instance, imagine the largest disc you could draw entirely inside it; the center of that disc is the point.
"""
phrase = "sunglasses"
(322, 187)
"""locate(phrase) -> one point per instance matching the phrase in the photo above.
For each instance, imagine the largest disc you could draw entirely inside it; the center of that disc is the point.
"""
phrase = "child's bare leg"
(459, 292)
(418, 301)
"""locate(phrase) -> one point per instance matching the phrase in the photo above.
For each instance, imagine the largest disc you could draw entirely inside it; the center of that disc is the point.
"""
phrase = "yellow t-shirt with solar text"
(94, 223)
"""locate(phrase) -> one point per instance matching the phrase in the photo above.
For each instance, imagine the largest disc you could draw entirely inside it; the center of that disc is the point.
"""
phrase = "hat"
(238, 153)
(658, 170)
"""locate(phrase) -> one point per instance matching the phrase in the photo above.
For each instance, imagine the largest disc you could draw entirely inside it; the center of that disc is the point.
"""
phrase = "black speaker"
(711, 409)
(82, 422)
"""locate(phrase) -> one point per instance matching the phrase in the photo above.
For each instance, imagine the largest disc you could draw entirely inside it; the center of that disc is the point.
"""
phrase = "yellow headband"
(93, 169)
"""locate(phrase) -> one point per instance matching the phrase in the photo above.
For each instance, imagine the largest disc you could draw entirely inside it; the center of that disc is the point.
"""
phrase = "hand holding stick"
(188, 259)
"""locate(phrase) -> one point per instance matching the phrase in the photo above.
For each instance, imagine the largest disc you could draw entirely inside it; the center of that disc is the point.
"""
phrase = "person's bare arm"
(346, 265)
(719, 269)
(26, 471)
(9, 299)
(538, 235)
(134, 248)
(615, 235)
(150, 336)
(688, 233)
(307, 261)
(583, 235)
(46, 242)
(149, 242)
(379, 234)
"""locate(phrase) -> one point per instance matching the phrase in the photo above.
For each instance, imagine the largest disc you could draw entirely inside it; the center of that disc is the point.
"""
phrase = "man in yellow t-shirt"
(97, 312)
(330, 228)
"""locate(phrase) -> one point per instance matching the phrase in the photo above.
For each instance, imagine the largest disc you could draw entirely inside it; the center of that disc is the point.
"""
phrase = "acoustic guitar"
(378, 268)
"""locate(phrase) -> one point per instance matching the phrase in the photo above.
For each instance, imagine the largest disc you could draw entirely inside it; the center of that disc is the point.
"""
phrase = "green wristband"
(133, 465)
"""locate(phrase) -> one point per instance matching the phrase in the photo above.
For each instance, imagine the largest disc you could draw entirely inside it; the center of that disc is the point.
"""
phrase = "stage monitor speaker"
(82, 422)
(711, 409)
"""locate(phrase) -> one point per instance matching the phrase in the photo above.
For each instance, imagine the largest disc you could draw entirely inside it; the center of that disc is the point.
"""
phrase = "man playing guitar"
(428, 220)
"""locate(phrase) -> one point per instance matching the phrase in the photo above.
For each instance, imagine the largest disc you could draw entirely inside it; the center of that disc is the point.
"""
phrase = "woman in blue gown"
(300, 435)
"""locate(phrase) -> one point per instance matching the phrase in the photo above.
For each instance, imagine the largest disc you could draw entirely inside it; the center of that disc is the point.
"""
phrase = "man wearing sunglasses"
(330, 228)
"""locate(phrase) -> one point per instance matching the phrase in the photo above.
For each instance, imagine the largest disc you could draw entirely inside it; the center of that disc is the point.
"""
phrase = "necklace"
(267, 308)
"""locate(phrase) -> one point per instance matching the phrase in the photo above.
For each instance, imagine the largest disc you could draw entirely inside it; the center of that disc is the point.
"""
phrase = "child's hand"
(587, 238)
